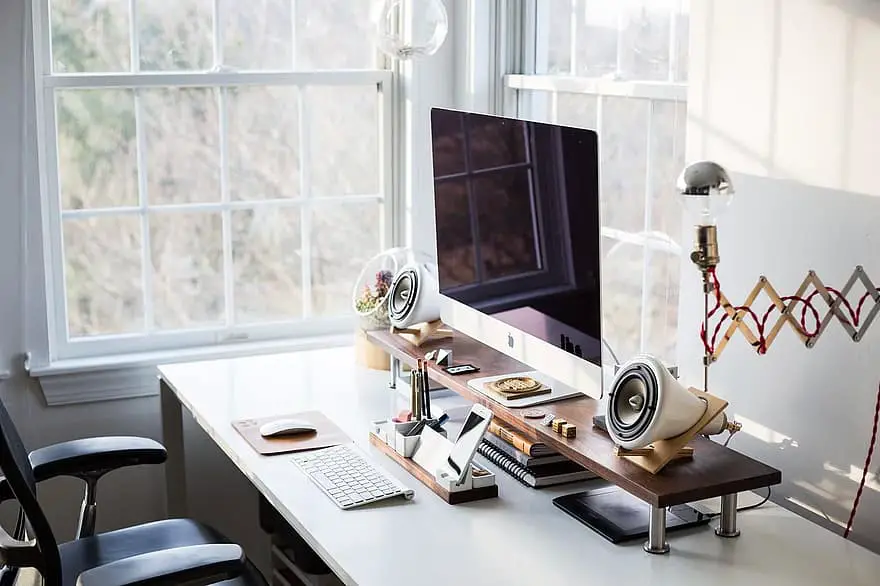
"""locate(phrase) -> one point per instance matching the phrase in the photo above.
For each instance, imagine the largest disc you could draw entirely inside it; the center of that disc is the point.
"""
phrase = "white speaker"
(646, 404)
(415, 295)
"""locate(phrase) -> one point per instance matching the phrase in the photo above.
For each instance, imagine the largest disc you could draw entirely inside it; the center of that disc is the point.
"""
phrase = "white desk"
(519, 538)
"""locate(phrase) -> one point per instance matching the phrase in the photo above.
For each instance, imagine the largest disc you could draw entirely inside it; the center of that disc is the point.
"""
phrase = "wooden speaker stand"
(664, 451)
(418, 334)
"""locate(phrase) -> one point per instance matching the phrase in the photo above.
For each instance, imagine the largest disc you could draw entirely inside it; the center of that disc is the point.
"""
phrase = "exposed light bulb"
(407, 29)
(706, 191)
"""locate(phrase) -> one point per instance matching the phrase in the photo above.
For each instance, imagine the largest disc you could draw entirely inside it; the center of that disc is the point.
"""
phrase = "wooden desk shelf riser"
(714, 470)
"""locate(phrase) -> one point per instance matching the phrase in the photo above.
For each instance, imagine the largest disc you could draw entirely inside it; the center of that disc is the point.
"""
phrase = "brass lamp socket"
(705, 254)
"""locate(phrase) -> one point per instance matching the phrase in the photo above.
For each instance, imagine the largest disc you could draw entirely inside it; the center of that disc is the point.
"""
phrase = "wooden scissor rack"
(811, 287)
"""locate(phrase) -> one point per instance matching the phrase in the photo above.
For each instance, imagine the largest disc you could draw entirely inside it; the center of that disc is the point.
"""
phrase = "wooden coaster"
(516, 387)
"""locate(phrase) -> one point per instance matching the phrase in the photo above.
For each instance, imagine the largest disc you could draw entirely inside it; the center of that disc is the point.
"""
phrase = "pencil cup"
(405, 445)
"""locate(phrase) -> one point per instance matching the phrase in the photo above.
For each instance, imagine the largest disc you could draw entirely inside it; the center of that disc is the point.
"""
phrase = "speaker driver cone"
(633, 402)
(404, 293)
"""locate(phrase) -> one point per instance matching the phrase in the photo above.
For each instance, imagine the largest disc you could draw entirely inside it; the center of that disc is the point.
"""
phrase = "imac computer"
(518, 242)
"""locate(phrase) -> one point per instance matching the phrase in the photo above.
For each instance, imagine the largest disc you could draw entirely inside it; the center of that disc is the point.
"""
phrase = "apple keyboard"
(346, 475)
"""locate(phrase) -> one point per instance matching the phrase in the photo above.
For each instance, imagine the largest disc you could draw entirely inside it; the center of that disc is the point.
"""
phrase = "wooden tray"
(426, 478)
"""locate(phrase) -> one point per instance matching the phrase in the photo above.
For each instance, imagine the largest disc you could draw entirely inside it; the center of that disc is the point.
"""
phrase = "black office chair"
(160, 553)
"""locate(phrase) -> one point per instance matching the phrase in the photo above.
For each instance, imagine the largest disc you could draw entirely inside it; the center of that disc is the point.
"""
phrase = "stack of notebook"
(534, 464)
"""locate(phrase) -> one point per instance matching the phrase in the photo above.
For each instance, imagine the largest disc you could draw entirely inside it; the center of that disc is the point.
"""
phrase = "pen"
(418, 391)
(422, 388)
(426, 390)
(414, 398)
(416, 429)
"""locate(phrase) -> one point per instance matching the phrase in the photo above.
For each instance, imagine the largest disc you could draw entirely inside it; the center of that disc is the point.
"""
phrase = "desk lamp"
(706, 191)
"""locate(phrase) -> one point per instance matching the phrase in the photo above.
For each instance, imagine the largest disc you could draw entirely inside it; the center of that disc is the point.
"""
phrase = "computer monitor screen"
(518, 225)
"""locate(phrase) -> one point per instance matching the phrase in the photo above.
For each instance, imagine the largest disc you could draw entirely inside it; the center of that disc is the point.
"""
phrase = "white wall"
(11, 180)
(219, 495)
(785, 93)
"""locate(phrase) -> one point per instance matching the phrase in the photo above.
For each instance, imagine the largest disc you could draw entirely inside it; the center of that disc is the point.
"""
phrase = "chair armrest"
(90, 457)
(204, 564)
(95, 455)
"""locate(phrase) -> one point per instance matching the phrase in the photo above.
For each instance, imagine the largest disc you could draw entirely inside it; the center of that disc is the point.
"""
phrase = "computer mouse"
(283, 427)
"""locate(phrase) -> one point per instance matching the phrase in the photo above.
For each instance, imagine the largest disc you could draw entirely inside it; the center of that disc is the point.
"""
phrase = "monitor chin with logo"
(518, 241)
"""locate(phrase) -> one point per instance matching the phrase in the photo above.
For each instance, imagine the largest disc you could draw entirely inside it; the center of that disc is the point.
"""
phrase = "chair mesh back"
(16, 467)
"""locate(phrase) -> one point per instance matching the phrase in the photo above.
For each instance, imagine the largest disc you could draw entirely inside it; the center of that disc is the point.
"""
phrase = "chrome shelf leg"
(727, 526)
(395, 372)
(657, 532)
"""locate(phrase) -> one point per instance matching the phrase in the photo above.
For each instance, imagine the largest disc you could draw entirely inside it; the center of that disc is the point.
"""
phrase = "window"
(216, 170)
(620, 68)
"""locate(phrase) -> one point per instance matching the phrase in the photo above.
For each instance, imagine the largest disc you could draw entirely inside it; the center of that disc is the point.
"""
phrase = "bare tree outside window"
(188, 206)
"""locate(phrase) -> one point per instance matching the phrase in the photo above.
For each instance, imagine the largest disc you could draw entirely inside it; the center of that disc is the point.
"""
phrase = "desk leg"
(657, 531)
(727, 526)
(175, 466)
(395, 372)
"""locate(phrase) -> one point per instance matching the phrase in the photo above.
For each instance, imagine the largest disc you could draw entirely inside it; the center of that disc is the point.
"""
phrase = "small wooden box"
(558, 423)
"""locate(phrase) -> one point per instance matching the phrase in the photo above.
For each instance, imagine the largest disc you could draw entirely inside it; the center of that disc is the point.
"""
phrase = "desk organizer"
(423, 455)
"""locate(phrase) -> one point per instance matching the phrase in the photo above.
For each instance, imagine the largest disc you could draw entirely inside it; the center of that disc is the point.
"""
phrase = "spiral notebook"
(523, 458)
(538, 477)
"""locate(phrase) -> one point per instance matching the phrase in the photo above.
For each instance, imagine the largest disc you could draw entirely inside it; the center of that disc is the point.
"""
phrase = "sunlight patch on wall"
(764, 433)
(872, 480)
(810, 508)
(813, 489)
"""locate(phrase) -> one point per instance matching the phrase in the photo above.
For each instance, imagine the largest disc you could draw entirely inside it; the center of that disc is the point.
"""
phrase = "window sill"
(126, 376)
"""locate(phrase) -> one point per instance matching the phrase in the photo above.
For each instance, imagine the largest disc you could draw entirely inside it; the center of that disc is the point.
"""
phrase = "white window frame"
(60, 347)
(522, 21)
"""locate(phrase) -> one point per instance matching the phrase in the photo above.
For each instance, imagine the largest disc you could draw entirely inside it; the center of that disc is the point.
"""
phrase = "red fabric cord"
(871, 444)
(709, 344)
(760, 324)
